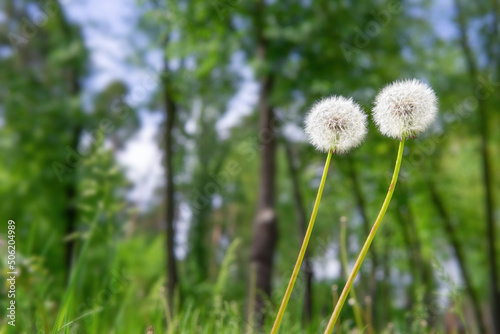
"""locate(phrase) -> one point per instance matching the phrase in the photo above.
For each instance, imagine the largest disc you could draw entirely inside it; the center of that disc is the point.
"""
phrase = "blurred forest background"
(154, 162)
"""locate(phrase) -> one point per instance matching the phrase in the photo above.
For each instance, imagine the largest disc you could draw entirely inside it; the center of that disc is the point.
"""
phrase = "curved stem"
(368, 242)
(302, 252)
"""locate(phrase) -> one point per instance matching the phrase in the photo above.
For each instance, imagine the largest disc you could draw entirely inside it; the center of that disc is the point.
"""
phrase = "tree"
(484, 133)
(170, 116)
(265, 225)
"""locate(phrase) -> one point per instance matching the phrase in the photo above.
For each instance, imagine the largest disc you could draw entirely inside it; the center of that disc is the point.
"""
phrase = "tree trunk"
(170, 114)
(302, 222)
(490, 217)
(265, 226)
(487, 174)
(265, 231)
(70, 211)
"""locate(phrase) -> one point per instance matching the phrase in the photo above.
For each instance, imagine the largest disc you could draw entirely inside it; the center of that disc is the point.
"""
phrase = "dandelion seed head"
(336, 123)
(405, 108)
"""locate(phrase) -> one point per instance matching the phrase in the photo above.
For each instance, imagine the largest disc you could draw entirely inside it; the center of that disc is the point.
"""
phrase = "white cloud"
(143, 160)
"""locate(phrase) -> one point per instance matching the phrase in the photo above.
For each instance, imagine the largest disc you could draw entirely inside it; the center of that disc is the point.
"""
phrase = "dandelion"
(402, 109)
(334, 125)
(405, 108)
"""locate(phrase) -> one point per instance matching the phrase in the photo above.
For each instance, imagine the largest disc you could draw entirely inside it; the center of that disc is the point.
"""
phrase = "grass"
(124, 295)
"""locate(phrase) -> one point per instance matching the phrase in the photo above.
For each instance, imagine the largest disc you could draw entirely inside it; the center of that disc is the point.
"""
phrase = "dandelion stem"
(366, 246)
(302, 252)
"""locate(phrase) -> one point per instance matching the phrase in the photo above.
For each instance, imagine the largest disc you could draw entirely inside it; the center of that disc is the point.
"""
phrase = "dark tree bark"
(486, 170)
(265, 232)
(302, 222)
(170, 108)
(265, 224)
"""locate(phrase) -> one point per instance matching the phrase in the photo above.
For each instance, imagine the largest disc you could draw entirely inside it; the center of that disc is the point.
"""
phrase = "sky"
(111, 34)
(109, 31)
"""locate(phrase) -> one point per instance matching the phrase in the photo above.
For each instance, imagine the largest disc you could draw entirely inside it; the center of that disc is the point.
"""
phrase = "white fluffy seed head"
(405, 108)
(336, 124)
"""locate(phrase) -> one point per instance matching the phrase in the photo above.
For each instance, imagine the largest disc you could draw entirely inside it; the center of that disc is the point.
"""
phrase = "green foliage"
(58, 149)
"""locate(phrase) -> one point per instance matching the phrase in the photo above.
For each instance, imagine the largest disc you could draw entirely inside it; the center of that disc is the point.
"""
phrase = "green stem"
(366, 246)
(302, 252)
